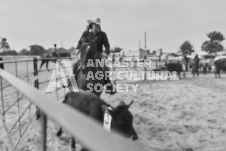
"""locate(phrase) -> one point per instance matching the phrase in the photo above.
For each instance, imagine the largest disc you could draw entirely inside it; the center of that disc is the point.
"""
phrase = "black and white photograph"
(122, 75)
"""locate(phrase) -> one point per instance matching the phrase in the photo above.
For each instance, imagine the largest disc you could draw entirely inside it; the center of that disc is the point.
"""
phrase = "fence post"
(1, 64)
(145, 68)
(36, 84)
(44, 129)
(43, 117)
(113, 62)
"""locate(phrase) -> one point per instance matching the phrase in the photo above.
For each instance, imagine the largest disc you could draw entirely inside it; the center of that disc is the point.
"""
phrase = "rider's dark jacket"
(99, 40)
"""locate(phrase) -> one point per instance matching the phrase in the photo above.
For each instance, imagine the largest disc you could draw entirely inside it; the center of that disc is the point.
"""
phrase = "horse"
(91, 78)
(48, 58)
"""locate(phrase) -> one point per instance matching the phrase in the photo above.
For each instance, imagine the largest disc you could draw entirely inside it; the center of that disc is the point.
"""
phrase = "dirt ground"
(168, 116)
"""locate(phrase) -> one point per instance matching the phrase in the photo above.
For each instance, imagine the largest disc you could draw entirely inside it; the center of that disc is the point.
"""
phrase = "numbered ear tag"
(107, 121)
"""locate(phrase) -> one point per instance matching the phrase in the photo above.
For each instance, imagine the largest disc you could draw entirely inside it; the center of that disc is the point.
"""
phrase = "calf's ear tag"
(107, 121)
(110, 108)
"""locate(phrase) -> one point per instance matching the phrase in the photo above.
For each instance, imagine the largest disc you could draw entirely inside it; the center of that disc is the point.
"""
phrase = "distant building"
(147, 54)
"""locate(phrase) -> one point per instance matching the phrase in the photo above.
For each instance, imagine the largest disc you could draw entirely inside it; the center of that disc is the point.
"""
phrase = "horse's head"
(88, 52)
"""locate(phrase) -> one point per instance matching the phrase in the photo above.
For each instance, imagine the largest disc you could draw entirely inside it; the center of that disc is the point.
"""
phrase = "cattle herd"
(216, 65)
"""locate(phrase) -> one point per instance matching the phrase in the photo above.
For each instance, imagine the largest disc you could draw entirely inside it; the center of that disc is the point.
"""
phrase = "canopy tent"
(209, 56)
(219, 57)
(115, 51)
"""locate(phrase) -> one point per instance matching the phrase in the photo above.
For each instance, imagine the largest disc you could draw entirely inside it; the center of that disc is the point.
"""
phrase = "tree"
(186, 48)
(24, 52)
(4, 45)
(214, 44)
(36, 50)
(61, 50)
(72, 49)
(9, 52)
(215, 36)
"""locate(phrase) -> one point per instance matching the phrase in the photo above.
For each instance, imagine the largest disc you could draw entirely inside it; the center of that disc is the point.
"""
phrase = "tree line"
(38, 50)
(212, 45)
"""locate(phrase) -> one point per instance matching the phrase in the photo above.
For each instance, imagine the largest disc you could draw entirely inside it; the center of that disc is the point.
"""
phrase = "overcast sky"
(168, 23)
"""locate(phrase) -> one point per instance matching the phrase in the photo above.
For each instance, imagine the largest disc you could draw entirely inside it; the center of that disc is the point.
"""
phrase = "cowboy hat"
(95, 20)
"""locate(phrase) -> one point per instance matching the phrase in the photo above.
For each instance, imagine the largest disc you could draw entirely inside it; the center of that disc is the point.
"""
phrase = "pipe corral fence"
(19, 100)
(18, 112)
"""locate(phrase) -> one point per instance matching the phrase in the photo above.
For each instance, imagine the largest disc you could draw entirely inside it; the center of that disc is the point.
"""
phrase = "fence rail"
(86, 130)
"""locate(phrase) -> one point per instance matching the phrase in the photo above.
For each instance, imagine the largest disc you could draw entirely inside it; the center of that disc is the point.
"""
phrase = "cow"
(220, 64)
(93, 106)
(174, 67)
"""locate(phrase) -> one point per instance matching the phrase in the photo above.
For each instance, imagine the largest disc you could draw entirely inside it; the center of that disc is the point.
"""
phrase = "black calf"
(92, 105)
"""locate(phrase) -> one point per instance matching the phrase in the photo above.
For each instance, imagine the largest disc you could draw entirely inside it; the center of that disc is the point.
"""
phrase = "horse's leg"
(73, 148)
(179, 75)
(42, 63)
(219, 73)
(47, 64)
(216, 72)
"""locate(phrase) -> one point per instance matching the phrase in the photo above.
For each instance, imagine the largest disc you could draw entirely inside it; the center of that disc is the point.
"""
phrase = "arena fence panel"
(86, 130)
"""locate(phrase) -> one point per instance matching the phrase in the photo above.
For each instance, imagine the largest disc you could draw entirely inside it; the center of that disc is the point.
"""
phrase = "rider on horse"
(54, 51)
(95, 36)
